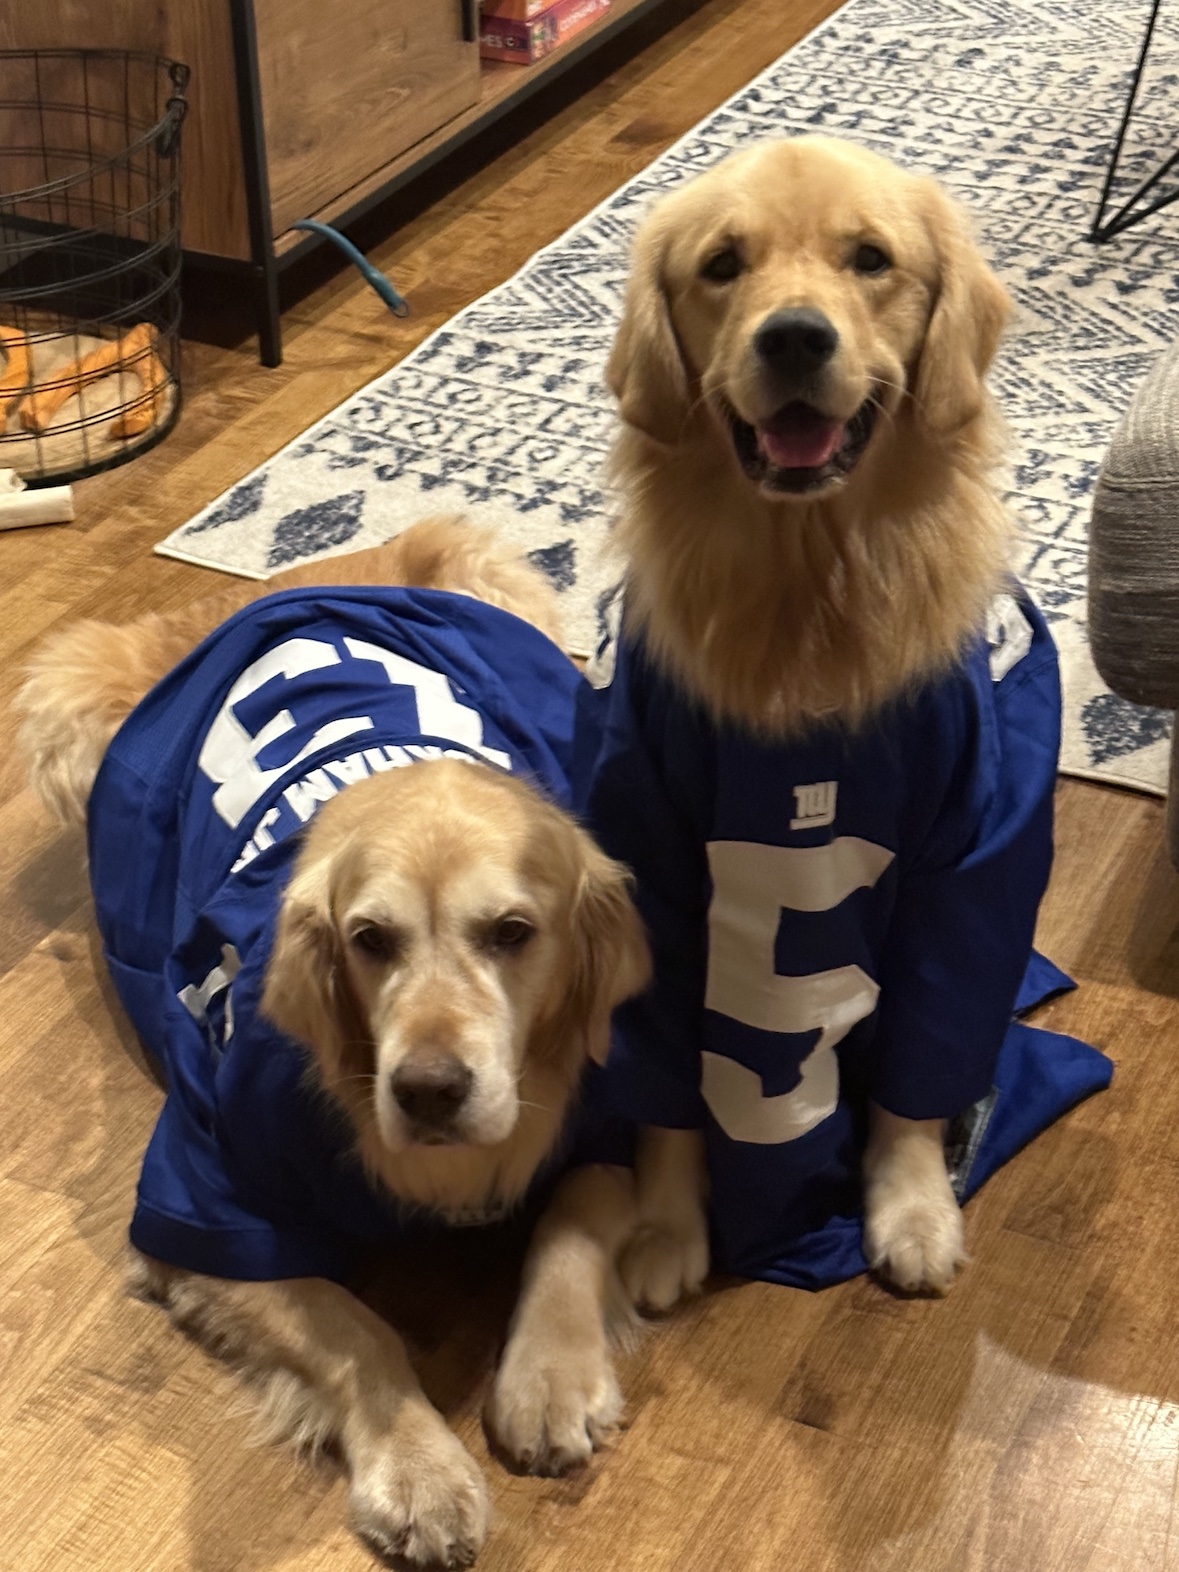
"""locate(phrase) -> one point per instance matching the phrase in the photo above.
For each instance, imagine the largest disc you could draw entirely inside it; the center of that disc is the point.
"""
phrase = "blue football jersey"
(194, 829)
(841, 917)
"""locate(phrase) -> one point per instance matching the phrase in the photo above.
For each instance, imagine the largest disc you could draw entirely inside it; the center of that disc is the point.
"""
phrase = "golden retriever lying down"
(449, 948)
(840, 825)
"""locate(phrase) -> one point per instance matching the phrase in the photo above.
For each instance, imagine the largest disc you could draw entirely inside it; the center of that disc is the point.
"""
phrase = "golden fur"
(440, 915)
(778, 599)
(776, 609)
(447, 849)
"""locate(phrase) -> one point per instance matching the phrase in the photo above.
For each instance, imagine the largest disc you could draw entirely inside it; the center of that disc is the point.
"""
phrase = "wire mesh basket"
(89, 258)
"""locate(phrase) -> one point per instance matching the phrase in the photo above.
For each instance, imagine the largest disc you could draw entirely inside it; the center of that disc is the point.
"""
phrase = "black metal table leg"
(1131, 211)
(249, 106)
(269, 318)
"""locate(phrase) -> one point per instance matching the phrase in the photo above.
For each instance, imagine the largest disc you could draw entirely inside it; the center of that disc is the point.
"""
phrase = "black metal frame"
(1130, 212)
(265, 266)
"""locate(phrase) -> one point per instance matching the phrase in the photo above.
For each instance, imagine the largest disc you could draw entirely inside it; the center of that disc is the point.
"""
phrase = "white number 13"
(229, 754)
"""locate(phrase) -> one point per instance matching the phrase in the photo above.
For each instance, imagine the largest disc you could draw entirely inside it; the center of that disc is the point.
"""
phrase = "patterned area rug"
(1013, 105)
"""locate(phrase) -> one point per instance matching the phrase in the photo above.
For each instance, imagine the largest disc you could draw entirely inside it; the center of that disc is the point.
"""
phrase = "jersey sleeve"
(960, 937)
(238, 1178)
(646, 808)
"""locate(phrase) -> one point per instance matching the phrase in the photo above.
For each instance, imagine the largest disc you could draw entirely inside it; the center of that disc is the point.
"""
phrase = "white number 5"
(751, 886)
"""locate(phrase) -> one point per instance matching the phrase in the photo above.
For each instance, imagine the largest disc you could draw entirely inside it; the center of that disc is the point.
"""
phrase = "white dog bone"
(21, 506)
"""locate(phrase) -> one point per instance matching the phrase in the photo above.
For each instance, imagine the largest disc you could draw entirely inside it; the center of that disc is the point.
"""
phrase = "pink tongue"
(800, 438)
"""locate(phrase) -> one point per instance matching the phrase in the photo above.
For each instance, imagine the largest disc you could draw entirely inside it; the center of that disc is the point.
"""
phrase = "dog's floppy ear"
(970, 311)
(611, 958)
(307, 995)
(646, 370)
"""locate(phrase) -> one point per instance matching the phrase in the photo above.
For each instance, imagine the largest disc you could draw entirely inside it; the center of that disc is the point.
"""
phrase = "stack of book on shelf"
(527, 30)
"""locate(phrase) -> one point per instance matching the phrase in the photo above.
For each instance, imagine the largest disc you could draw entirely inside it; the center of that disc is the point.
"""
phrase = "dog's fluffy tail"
(84, 681)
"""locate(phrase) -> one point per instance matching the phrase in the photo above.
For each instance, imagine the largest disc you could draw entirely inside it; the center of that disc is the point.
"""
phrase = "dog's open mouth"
(800, 449)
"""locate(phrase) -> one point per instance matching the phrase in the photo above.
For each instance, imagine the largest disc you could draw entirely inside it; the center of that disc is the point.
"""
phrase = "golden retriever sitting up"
(814, 540)
(448, 948)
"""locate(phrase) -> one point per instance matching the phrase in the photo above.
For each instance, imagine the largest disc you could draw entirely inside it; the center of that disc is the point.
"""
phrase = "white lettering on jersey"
(262, 835)
(305, 796)
(229, 755)
(348, 771)
(814, 806)
(1009, 633)
(752, 884)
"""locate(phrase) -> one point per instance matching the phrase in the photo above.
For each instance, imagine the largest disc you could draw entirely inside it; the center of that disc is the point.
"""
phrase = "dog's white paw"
(665, 1262)
(552, 1404)
(914, 1239)
(418, 1496)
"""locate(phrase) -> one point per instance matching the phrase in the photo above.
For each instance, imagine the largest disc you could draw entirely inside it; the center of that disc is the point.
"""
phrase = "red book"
(530, 37)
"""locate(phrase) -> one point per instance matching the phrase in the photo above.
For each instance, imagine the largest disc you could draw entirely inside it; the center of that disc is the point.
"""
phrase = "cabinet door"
(347, 85)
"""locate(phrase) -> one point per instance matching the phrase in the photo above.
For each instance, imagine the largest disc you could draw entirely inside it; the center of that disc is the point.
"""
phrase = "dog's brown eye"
(870, 259)
(511, 933)
(379, 944)
(723, 266)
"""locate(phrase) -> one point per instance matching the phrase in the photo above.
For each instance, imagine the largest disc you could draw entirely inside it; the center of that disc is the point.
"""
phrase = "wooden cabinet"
(306, 108)
(347, 86)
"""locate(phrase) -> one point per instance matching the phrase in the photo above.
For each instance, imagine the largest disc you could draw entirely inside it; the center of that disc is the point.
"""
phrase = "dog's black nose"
(796, 342)
(431, 1091)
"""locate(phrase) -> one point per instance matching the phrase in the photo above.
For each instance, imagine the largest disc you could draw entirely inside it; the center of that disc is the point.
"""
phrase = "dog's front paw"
(418, 1496)
(664, 1262)
(914, 1239)
(552, 1405)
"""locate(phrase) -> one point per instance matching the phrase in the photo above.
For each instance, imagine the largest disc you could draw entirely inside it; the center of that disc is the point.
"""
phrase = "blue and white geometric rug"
(1013, 105)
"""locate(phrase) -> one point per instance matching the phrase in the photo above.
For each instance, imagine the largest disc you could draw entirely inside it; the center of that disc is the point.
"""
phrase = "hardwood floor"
(1029, 1423)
